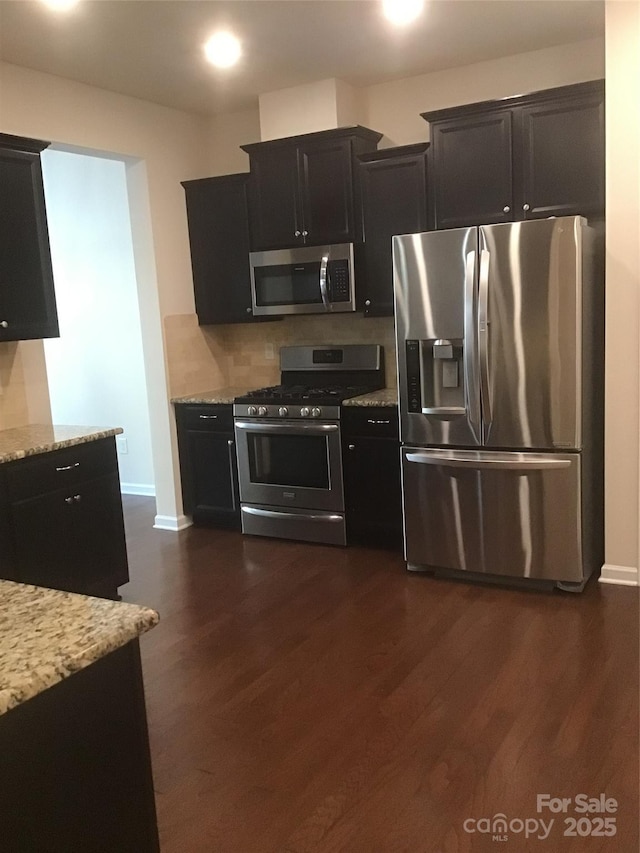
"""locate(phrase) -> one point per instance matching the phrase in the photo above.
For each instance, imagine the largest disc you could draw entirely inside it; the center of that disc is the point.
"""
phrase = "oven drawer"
(287, 523)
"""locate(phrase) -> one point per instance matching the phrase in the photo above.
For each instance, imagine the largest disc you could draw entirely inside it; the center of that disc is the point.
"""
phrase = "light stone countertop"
(47, 635)
(29, 440)
(387, 397)
(221, 396)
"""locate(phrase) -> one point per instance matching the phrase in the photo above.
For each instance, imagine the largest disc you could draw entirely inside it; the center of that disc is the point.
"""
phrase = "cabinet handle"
(506, 209)
(297, 234)
(305, 233)
(371, 421)
(249, 311)
(230, 442)
(525, 207)
(352, 447)
(77, 498)
(4, 324)
(367, 302)
(68, 500)
(209, 417)
(68, 467)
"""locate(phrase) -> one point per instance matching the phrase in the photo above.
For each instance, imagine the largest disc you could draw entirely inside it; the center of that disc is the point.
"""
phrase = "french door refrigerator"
(499, 347)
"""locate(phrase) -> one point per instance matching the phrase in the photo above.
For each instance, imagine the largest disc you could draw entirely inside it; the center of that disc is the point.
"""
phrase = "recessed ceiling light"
(402, 12)
(223, 50)
(60, 5)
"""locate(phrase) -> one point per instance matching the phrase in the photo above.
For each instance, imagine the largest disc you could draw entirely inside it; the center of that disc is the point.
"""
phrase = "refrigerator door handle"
(471, 385)
(529, 462)
(483, 336)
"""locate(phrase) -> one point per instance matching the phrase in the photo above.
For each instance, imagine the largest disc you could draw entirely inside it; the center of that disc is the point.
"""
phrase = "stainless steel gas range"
(289, 446)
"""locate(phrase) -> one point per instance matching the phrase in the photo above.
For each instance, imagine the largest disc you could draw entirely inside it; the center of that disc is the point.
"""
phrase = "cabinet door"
(561, 154)
(326, 190)
(218, 215)
(274, 186)
(393, 201)
(472, 176)
(27, 301)
(72, 539)
(209, 477)
(373, 496)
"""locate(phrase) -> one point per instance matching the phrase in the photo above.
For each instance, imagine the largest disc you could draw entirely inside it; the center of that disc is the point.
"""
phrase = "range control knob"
(316, 412)
(262, 411)
(305, 411)
(283, 411)
(252, 411)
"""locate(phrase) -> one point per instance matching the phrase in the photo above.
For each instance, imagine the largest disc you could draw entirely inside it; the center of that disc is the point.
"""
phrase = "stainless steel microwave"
(303, 280)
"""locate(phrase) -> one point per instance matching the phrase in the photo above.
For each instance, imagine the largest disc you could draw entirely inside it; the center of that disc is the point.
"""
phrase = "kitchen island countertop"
(47, 635)
(19, 442)
(386, 397)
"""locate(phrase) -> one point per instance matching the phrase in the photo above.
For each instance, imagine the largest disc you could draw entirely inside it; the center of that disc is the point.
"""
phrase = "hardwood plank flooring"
(312, 699)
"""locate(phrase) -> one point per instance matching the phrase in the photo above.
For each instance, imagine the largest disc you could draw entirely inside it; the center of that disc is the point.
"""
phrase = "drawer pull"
(68, 467)
(371, 421)
(209, 417)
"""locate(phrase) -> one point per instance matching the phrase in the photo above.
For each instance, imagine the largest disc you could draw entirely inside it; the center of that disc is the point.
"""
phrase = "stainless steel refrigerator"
(499, 345)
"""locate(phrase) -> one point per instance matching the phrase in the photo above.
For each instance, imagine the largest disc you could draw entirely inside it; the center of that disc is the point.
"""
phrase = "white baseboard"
(172, 522)
(621, 575)
(138, 489)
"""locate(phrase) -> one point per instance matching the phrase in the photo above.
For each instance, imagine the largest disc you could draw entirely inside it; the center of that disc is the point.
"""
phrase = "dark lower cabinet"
(393, 200)
(62, 522)
(75, 768)
(27, 299)
(520, 158)
(206, 446)
(371, 461)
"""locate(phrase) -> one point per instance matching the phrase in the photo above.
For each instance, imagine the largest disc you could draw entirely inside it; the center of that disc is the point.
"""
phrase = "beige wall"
(394, 108)
(622, 426)
(162, 148)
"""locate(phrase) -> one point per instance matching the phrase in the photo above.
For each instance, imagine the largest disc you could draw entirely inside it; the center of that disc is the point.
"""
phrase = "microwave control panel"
(339, 281)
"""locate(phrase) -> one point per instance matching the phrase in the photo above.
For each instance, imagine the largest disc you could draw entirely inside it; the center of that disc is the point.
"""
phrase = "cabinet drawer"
(377, 421)
(213, 417)
(60, 469)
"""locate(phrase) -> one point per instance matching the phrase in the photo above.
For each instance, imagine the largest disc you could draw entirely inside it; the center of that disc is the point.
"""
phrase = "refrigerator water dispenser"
(435, 376)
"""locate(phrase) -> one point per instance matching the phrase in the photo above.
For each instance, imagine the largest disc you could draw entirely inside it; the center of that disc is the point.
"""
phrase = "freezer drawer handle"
(505, 464)
(297, 516)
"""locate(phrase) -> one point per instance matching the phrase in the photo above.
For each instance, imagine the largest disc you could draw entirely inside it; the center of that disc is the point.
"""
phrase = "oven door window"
(288, 284)
(300, 461)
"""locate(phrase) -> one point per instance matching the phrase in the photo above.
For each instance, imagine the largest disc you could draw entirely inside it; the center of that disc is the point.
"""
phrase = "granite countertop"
(24, 441)
(47, 635)
(384, 397)
(222, 395)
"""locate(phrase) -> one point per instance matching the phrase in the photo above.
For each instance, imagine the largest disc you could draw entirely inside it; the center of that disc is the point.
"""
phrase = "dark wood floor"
(312, 699)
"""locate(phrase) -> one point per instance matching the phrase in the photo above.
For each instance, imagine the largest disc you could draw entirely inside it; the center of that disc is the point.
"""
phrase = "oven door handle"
(299, 516)
(318, 429)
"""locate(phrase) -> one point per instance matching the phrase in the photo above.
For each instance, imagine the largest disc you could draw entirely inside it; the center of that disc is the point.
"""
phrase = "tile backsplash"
(202, 358)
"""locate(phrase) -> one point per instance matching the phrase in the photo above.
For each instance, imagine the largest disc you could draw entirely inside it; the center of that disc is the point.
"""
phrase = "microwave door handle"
(324, 264)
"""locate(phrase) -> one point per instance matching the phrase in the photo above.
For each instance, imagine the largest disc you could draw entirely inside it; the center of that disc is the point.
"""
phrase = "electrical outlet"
(121, 445)
(269, 352)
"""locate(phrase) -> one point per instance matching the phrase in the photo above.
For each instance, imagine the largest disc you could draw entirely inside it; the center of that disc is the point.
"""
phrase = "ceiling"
(152, 49)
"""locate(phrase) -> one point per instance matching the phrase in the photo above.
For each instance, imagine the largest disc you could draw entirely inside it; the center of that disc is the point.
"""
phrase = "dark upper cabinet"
(393, 200)
(208, 469)
(472, 174)
(303, 188)
(218, 217)
(27, 299)
(521, 158)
